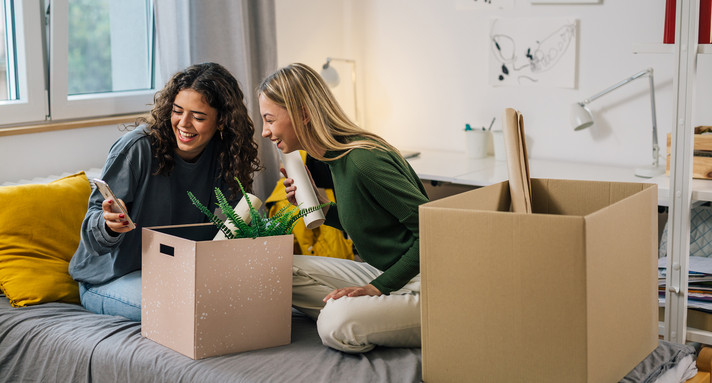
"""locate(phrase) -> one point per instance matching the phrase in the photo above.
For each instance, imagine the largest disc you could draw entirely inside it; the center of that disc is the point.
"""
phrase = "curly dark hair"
(236, 146)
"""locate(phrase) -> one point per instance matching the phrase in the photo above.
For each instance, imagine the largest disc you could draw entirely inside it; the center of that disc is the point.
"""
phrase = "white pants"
(355, 324)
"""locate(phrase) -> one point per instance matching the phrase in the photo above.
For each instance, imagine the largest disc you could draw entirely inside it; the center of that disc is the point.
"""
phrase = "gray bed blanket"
(664, 358)
(57, 342)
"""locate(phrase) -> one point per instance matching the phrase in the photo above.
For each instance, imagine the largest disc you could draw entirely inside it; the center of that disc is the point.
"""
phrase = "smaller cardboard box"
(566, 294)
(696, 319)
(702, 156)
(206, 298)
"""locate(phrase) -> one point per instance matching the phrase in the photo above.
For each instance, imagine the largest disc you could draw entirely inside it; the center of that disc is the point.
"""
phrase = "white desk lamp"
(581, 118)
(331, 77)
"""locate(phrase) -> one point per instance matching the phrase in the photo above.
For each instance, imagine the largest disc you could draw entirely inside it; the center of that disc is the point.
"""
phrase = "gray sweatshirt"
(152, 200)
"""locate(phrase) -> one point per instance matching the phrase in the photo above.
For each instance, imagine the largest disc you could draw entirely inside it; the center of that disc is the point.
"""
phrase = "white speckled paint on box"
(216, 297)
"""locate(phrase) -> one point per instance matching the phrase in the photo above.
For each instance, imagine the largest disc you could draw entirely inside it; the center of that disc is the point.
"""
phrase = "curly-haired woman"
(199, 137)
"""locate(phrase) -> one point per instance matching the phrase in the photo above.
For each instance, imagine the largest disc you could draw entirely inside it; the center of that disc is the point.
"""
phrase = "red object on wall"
(669, 33)
(705, 35)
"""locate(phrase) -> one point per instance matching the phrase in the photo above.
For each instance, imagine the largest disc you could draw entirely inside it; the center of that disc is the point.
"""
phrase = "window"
(22, 97)
(97, 58)
(4, 92)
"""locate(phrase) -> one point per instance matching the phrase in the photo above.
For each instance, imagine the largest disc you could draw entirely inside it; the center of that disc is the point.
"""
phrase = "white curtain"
(238, 34)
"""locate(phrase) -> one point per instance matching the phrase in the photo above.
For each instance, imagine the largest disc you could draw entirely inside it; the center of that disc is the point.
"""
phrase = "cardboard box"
(205, 298)
(566, 294)
(702, 158)
(696, 319)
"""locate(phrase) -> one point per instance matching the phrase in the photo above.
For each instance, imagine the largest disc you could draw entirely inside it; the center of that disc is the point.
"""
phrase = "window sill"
(55, 126)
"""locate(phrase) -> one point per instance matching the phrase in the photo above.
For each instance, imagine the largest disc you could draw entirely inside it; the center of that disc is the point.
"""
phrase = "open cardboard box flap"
(568, 293)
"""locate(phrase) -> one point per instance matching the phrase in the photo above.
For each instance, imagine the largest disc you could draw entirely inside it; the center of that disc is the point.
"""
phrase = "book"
(704, 35)
(669, 32)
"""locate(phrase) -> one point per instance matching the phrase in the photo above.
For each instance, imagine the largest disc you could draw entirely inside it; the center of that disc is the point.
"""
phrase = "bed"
(52, 338)
(63, 342)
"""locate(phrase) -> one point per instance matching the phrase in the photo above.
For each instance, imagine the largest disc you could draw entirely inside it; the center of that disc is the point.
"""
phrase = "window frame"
(64, 106)
(41, 52)
(31, 105)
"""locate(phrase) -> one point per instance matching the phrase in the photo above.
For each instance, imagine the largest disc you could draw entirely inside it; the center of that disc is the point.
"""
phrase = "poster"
(538, 52)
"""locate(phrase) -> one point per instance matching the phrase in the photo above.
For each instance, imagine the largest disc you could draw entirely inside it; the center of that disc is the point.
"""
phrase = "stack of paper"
(520, 186)
(699, 281)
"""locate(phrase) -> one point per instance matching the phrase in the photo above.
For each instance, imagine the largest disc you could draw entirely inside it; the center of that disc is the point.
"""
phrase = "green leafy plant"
(281, 223)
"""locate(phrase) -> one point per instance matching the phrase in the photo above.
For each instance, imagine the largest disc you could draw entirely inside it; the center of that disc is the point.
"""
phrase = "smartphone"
(116, 207)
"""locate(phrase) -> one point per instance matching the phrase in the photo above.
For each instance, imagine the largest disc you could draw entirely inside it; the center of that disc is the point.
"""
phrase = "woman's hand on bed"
(356, 291)
(115, 222)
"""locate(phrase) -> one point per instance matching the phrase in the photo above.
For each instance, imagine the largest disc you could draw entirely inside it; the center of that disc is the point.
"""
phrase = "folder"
(520, 187)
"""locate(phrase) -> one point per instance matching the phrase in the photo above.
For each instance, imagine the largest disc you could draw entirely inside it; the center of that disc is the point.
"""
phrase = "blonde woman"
(357, 305)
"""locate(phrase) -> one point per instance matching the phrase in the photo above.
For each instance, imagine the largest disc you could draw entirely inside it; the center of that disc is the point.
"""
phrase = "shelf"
(659, 48)
(693, 334)
(682, 189)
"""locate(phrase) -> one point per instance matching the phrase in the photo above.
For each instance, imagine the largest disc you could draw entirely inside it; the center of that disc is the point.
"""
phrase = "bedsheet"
(668, 363)
(58, 342)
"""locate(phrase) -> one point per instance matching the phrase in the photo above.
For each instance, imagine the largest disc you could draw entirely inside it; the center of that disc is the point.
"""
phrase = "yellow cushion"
(39, 232)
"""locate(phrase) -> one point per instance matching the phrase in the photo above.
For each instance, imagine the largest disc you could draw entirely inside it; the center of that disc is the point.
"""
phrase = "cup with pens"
(477, 140)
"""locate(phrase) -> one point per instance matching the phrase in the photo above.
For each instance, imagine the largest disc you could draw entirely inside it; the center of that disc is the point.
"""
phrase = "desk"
(457, 168)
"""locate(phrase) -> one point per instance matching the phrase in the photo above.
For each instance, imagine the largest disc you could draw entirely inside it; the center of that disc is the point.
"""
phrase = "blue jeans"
(122, 296)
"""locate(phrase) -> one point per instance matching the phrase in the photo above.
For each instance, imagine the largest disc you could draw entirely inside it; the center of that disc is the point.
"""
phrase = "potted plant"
(258, 224)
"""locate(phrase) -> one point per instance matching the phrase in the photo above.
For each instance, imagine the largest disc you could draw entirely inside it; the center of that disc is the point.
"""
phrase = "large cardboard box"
(566, 294)
(205, 298)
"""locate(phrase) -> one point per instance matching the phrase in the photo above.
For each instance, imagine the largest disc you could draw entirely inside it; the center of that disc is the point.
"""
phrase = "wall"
(422, 68)
(33, 155)
(423, 65)
(310, 31)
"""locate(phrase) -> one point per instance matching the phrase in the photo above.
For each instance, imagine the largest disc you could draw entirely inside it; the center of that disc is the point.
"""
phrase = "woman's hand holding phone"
(116, 221)
(116, 215)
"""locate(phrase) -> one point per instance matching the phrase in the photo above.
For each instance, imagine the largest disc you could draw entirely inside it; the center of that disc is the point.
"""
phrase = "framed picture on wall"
(533, 52)
(565, 1)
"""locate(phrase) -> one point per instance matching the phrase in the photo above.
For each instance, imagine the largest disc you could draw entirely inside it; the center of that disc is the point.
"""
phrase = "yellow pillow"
(39, 232)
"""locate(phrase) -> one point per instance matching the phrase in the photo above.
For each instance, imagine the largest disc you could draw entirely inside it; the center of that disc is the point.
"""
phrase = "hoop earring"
(221, 135)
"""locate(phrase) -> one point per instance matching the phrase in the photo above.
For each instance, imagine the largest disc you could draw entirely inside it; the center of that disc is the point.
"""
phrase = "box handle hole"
(168, 250)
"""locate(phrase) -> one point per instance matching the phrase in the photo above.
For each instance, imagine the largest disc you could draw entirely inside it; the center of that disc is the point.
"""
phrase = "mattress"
(65, 343)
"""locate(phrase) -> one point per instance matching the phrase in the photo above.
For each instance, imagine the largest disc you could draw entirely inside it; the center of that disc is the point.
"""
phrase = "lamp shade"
(581, 117)
(330, 75)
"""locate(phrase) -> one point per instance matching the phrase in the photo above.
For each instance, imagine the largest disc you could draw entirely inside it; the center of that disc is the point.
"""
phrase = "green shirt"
(377, 199)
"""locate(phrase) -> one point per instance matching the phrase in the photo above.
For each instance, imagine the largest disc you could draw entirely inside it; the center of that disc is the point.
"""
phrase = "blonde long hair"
(317, 118)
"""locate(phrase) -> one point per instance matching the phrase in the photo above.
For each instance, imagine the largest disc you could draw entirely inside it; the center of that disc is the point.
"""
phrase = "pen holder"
(477, 142)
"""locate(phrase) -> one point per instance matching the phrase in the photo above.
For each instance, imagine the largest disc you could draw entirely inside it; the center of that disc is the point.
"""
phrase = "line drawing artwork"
(533, 52)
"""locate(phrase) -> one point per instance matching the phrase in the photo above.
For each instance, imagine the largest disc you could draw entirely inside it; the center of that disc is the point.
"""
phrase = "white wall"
(422, 68)
(33, 155)
(423, 65)
(310, 31)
